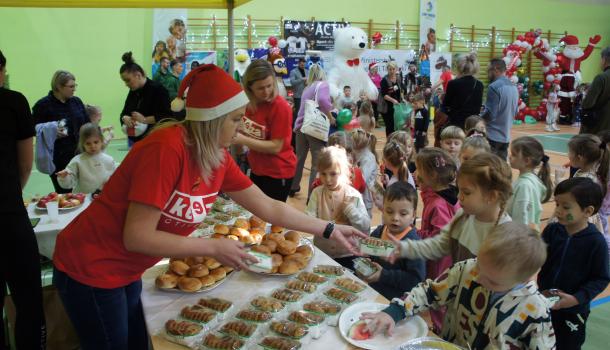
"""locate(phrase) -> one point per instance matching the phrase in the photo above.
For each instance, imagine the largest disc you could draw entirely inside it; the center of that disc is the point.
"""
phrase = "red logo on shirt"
(253, 129)
(186, 210)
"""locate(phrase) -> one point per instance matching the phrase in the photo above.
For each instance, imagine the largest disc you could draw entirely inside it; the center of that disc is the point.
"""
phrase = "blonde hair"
(201, 139)
(396, 154)
(516, 246)
(468, 64)
(391, 64)
(366, 116)
(453, 132)
(257, 70)
(61, 78)
(335, 156)
(531, 148)
(477, 142)
(89, 130)
(404, 138)
(316, 73)
(362, 139)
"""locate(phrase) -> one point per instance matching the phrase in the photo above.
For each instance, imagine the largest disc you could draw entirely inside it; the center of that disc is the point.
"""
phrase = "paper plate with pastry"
(204, 274)
(287, 258)
(67, 201)
(352, 328)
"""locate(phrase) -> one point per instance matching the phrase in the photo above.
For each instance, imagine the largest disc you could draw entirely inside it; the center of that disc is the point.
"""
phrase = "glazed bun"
(277, 237)
(276, 229)
(256, 238)
(256, 222)
(242, 223)
(179, 267)
(286, 247)
(194, 260)
(306, 251)
(199, 270)
(298, 259)
(166, 280)
(221, 228)
(289, 267)
(263, 249)
(293, 236)
(189, 284)
(218, 273)
(212, 264)
(257, 231)
(233, 237)
(271, 244)
(250, 239)
(239, 232)
(207, 281)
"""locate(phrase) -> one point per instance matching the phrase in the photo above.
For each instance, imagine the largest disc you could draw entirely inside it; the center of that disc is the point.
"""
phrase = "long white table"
(159, 306)
(46, 232)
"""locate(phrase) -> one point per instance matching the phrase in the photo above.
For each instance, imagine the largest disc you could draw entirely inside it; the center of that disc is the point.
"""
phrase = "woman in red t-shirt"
(267, 132)
(155, 199)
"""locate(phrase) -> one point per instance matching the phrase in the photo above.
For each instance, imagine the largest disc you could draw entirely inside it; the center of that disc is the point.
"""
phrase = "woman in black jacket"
(464, 95)
(391, 92)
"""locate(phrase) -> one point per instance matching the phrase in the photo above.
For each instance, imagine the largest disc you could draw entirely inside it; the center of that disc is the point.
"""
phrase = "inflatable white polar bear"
(347, 69)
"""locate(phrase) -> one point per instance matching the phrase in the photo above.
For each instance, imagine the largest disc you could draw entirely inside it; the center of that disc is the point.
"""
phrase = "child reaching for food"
(336, 200)
(399, 207)
(493, 301)
(91, 169)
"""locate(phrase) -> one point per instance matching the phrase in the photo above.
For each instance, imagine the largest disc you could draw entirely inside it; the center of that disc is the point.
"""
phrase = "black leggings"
(20, 264)
(274, 188)
(388, 119)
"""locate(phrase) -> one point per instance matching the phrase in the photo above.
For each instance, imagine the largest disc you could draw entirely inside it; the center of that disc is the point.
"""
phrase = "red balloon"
(547, 85)
(520, 37)
(272, 41)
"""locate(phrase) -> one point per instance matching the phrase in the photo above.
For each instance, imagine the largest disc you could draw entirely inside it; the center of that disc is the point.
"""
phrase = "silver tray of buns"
(168, 280)
(305, 248)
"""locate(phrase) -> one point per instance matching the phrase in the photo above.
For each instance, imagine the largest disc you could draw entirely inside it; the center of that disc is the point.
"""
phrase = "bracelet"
(329, 229)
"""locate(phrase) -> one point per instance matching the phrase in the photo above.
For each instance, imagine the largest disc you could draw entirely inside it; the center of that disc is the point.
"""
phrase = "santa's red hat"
(212, 93)
(372, 65)
(569, 40)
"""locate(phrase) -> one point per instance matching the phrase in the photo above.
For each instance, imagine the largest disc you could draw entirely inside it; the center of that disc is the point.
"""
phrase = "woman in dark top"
(17, 241)
(61, 105)
(464, 94)
(391, 91)
(147, 101)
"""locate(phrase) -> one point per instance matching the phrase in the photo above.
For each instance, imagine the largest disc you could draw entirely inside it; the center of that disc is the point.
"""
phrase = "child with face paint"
(576, 268)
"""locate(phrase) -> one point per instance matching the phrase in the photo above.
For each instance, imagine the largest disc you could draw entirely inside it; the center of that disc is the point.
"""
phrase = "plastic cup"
(53, 211)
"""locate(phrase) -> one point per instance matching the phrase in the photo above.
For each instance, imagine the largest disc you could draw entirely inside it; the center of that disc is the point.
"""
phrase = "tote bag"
(315, 123)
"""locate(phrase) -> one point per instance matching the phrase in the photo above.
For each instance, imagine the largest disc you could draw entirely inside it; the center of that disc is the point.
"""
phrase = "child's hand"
(565, 301)
(396, 254)
(374, 277)
(378, 322)
(62, 173)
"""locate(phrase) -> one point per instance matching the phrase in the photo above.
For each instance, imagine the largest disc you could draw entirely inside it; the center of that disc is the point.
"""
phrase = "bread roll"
(261, 249)
(256, 222)
(288, 267)
(293, 256)
(239, 232)
(189, 284)
(194, 260)
(228, 269)
(241, 223)
(257, 230)
(256, 238)
(212, 263)
(166, 280)
(276, 229)
(207, 281)
(286, 247)
(171, 260)
(179, 267)
(277, 260)
(218, 273)
(306, 251)
(293, 236)
(221, 228)
(248, 239)
(198, 270)
(271, 244)
(278, 237)
(233, 237)
(218, 235)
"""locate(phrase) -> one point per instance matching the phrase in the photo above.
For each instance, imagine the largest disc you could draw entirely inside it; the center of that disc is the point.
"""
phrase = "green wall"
(89, 42)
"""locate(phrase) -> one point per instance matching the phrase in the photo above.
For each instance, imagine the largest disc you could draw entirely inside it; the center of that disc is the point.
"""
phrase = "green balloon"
(343, 118)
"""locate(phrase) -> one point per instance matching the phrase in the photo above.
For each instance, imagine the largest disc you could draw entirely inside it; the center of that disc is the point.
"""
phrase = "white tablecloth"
(46, 232)
(159, 306)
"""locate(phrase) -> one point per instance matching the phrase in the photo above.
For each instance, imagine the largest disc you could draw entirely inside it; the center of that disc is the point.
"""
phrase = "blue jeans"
(108, 319)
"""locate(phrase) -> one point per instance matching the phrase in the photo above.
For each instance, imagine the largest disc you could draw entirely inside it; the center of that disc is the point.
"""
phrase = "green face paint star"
(570, 217)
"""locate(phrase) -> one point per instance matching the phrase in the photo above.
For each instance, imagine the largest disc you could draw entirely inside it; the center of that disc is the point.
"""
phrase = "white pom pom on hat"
(212, 93)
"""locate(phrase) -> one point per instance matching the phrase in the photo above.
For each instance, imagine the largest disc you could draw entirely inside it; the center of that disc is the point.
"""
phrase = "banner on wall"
(427, 28)
(169, 37)
(382, 57)
(437, 61)
(195, 59)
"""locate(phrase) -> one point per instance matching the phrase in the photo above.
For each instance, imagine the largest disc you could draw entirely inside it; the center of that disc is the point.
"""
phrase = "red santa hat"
(569, 40)
(372, 65)
(212, 93)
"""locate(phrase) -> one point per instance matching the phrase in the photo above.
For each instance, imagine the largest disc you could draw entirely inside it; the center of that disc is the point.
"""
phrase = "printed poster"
(169, 37)
(437, 61)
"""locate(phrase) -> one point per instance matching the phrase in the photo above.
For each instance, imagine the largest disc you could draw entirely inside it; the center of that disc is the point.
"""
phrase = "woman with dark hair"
(17, 241)
(267, 132)
(68, 113)
(464, 94)
(145, 105)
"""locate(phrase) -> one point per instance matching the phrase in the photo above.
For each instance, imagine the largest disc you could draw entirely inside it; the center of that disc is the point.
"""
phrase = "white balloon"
(514, 79)
(550, 78)
(282, 43)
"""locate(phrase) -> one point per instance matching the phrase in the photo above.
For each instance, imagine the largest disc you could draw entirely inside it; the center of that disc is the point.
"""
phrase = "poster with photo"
(437, 61)
(427, 34)
(195, 59)
(169, 37)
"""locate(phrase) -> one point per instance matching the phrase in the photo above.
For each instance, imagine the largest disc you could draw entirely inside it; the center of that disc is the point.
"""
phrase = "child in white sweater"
(88, 171)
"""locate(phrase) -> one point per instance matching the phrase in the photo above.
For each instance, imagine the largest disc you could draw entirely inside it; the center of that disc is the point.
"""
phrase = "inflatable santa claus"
(569, 61)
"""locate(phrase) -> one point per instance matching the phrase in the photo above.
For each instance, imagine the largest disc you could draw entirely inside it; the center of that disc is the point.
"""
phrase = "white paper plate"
(59, 209)
(405, 330)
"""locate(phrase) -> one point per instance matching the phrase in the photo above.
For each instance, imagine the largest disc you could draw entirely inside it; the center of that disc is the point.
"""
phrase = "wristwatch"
(329, 229)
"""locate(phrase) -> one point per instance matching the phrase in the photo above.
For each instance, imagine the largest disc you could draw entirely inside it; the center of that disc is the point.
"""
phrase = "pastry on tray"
(217, 304)
(238, 328)
(288, 295)
(267, 304)
(197, 313)
(225, 342)
(329, 270)
(279, 343)
(254, 315)
(311, 277)
(350, 285)
(289, 329)
(182, 328)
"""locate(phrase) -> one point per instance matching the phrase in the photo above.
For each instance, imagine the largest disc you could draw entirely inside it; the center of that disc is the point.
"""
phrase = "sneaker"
(549, 128)
(555, 127)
